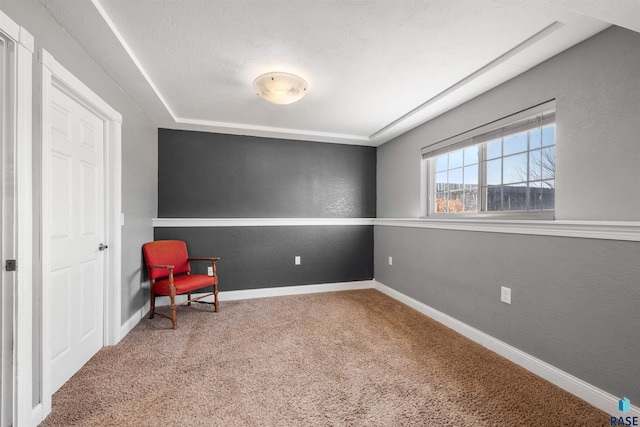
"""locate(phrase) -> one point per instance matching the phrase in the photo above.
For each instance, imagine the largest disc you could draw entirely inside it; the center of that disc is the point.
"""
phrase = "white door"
(77, 192)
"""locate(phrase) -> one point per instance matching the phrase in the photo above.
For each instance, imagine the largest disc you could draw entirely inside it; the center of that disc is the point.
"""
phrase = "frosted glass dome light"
(280, 88)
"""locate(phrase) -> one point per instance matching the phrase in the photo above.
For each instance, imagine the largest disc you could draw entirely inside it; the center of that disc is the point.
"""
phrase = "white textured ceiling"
(375, 68)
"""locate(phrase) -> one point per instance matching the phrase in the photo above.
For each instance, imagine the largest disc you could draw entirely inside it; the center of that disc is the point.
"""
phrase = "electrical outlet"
(297, 260)
(390, 260)
(210, 271)
(505, 295)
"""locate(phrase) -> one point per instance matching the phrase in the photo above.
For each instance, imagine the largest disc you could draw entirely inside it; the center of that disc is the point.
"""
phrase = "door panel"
(77, 224)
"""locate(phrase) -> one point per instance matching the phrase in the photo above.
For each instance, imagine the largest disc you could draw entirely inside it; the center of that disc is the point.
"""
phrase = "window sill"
(608, 230)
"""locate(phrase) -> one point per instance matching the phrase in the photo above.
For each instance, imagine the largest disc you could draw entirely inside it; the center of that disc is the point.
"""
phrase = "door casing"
(53, 74)
(17, 140)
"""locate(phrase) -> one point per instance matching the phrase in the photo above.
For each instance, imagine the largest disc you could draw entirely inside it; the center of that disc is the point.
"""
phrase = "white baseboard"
(36, 415)
(585, 391)
(133, 321)
(248, 294)
(277, 291)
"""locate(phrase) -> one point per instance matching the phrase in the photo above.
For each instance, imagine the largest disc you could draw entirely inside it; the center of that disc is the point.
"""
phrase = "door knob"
(102, 247)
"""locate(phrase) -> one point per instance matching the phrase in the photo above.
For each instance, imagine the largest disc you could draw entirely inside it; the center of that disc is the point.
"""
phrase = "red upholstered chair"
(170, 275)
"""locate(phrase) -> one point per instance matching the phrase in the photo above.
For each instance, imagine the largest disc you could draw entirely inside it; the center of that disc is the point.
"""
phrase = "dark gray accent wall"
(263, 257)
(575, 302)
(208, 175)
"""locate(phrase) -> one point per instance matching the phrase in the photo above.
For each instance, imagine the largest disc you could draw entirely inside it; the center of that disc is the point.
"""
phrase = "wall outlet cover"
(505, 295)
(210, 271)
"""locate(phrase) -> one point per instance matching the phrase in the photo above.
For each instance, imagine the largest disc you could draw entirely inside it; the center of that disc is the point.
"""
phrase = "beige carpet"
(356, 358)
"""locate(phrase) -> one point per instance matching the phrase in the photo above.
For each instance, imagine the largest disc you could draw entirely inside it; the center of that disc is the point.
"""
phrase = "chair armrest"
(203, 259)
(168, 267)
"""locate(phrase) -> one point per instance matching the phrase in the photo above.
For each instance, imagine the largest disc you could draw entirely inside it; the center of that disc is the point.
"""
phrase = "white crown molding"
(134, 58)
(546, 42)
(276, 132)
(423, 112)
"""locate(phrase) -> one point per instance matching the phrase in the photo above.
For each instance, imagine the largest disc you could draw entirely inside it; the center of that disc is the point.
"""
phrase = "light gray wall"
(139, 144)
(597, 89)
(575, 301)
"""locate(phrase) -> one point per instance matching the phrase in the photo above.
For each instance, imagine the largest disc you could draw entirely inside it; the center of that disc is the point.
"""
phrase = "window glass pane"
(470, 202)
(493, 198)
(514, 197)
(494, 149)
(515, 144)
(535, 165)
(515, 168)
(455, 159)
(455, 202)
(515, 172)
(494, 172)
(542, 195)
(471, 175)
(548, 162)
(548, 135)
(441, 181)
(455, 179)
(535, 139)
(471, 155)
(441, 202)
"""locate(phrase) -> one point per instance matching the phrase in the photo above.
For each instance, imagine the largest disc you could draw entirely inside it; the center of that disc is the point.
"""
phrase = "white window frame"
(537, 116)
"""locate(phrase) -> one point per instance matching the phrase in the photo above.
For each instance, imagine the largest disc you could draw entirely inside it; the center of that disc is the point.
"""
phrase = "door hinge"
(10, 265)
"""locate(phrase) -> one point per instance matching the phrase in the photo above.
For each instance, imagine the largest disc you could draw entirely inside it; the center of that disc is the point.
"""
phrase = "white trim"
(9, 27)
(249, 294)
(589, 393)
(585, 391)
(277, 291)
(257, 222)
(278, 132)
(53, 73)
(134, 320)
(24, 232)
(608, 230)
(20, 90)
(134, 58)
(36, 415)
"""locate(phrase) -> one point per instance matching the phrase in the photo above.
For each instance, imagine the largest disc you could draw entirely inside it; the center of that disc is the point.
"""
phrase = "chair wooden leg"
(189, 298)
(174, 316)
(152, 301)
(215, 296)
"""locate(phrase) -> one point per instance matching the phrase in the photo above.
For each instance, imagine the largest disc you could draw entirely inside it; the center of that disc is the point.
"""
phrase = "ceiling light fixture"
(280, 88)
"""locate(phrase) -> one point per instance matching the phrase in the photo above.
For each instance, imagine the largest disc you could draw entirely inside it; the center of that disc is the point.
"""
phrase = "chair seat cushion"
(183, 284)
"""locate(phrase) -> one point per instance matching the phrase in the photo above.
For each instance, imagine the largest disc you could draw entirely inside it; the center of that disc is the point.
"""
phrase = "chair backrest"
(166, 252)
